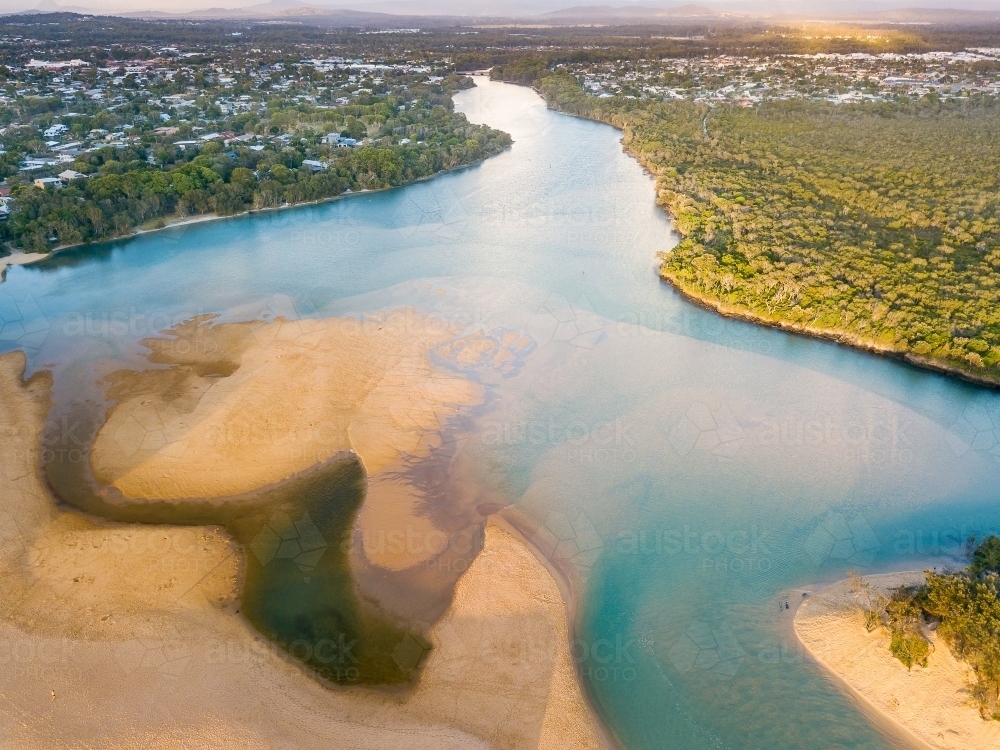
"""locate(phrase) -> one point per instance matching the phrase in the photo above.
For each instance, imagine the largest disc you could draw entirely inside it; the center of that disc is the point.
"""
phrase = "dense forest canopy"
(876, 223)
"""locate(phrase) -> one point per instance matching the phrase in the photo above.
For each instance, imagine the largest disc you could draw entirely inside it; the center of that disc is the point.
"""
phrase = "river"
(694, 473)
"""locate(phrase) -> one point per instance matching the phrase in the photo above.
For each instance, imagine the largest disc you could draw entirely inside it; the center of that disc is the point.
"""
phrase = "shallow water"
(694, 471)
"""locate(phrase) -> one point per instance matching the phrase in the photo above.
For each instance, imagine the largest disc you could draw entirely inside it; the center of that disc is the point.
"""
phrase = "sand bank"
(250, 404)
(931, 705)
(118, 636)
(247, 405)
(19, 259)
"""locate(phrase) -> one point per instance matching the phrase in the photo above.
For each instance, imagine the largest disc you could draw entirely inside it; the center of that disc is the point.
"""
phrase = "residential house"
(55, 131)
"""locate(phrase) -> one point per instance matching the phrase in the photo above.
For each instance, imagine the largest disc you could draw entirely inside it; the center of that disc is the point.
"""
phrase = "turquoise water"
(694, 471)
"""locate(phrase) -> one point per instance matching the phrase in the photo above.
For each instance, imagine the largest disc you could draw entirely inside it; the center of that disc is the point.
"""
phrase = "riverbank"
(931, 707)
(844, 337)
(19, 259)
(175, 221)
(129, 635)
(534, 539)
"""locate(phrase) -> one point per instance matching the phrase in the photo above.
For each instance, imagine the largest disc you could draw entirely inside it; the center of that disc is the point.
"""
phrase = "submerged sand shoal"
(931, 705)
(120, 636)
(246, 405)
(250, 404)
(19, 259)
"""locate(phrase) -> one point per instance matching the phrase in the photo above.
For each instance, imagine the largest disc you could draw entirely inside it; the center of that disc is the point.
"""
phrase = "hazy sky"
(500, 7)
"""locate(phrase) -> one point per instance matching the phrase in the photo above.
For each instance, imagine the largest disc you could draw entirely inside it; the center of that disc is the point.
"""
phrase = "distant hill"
(943, 16)
(282, 9)
(608, 13)
(644, 14)
(412, 13)
(930, 16)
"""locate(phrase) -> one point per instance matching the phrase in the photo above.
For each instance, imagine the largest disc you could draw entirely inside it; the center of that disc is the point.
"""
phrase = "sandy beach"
(931, 707)
(19, 259)
(122, 636)
(247, 405)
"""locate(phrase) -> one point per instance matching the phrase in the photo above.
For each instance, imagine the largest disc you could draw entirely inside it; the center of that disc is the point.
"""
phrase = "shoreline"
(872, 712)
(860, 665)
(19, 259)
(843, 338)
(144, 624)
(29, 259)
(512, 527)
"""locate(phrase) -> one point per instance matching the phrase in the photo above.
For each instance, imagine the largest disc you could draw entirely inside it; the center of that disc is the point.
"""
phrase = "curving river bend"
(690, 474)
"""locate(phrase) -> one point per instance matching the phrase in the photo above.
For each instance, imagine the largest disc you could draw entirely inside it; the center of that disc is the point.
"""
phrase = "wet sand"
(929, 706)
(119, 636)
(247, 405)
(19, 259)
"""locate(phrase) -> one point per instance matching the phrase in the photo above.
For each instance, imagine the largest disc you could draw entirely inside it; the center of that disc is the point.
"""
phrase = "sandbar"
(931, 707)
(291, 394)
(247, 405)
(123, 636)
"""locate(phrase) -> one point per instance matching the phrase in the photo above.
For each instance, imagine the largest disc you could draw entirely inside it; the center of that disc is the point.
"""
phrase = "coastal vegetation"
(119, 188)
(967, 608)
(877, 224)
(963, 608)
(138, 128)
(903, 619)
